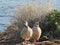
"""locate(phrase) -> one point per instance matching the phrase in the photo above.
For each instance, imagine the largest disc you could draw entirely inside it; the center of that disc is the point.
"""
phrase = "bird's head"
(25, 23)
(36, 24)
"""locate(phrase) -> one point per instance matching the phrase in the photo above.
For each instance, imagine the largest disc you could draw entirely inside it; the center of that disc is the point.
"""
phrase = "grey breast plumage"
(36, 32)
(26, 33)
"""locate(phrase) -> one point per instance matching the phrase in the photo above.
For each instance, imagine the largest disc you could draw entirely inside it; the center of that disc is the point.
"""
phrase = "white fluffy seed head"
(33, 12)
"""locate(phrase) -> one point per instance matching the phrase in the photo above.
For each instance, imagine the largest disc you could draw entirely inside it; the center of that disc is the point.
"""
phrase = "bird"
(26, 32)
(36, 32)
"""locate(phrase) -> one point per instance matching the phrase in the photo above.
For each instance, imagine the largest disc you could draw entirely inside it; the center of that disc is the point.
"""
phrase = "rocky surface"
(13, 38)
(41, 43)
(10, 37)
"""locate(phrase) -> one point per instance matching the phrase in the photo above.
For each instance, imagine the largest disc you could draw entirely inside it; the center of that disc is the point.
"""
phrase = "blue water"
(7, 8)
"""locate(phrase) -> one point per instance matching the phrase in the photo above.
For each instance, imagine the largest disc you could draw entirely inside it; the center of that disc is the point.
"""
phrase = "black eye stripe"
(25, 26)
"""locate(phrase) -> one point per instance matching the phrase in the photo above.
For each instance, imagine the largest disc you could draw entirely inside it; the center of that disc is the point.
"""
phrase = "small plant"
(32, 12)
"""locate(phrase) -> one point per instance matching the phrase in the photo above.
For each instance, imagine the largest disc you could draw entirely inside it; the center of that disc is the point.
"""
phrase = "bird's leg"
(24, 42)
(34, 41)
(27, 42)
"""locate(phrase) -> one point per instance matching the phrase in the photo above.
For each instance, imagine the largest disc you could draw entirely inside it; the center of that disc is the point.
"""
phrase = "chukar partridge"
(36, 31)
(26, 32)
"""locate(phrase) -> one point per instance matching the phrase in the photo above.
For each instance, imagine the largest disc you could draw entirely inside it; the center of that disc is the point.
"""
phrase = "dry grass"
(33, 12)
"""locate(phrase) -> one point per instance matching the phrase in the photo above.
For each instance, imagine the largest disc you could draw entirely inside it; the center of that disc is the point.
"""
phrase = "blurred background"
(8, 8)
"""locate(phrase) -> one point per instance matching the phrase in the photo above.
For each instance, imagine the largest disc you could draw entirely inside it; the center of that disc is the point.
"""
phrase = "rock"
(49, 43)
(56, 41)
(44, 38)
(10, 36)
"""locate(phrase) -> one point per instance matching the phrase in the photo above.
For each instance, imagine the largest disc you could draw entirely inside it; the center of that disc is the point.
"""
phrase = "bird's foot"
(34, 41)
(26, 42)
